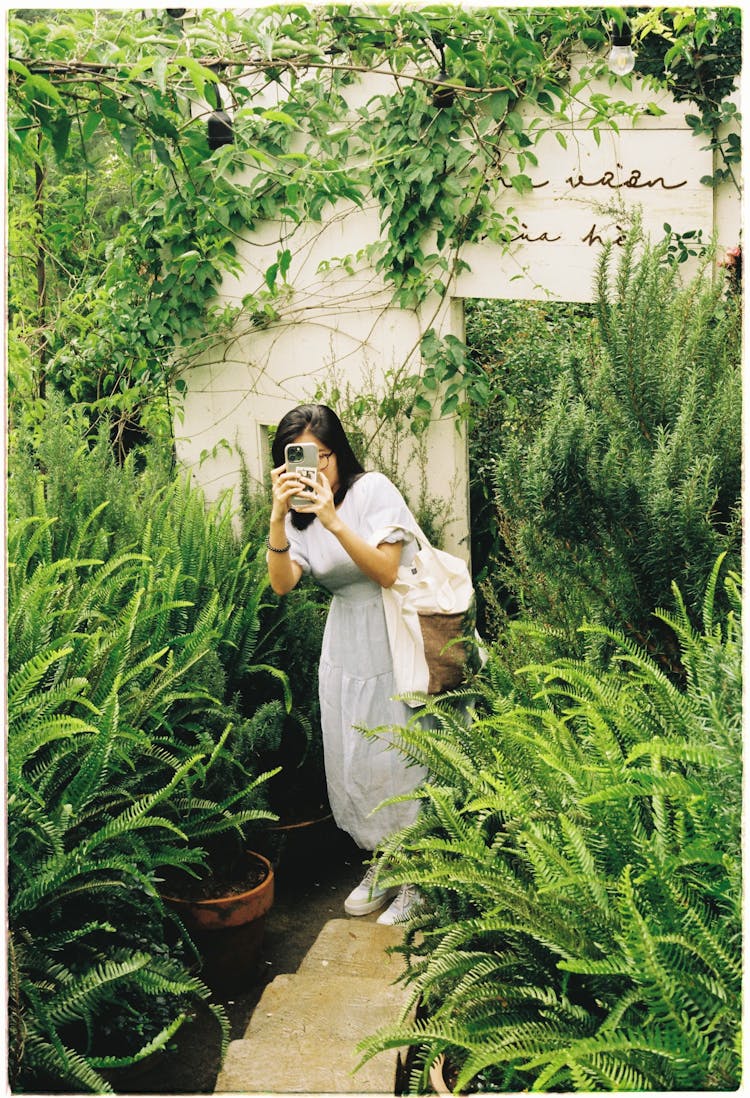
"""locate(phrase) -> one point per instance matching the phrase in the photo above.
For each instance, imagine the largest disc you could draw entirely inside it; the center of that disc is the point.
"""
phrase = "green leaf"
(279, 116)
(17, 66)
(198, 73)
(522, 183)
(91, 125)
(162, 153)
(160, 73)
(141, 66)
(285, 258)
(498, 105)
(40, 84)
(270, 275)
(60, 130)
(128, 135)
(515, 122)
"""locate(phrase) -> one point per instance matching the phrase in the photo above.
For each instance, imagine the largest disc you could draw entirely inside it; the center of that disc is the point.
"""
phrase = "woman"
(330, 539)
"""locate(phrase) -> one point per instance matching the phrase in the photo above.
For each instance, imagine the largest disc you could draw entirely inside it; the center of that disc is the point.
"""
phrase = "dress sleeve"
(383, 505)
(298, 545)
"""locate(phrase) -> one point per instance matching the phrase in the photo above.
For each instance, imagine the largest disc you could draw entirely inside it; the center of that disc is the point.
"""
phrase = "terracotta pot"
(228, 931)
(226, 911)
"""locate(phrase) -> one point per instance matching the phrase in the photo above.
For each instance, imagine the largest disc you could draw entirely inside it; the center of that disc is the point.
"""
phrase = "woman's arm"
(379, 563)
(283, 572)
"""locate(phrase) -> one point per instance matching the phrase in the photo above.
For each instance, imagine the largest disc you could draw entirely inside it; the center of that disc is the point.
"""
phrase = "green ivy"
(475, 90)
(697, 54)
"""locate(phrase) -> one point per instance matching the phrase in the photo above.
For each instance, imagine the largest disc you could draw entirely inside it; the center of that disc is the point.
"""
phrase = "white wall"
(332, 318)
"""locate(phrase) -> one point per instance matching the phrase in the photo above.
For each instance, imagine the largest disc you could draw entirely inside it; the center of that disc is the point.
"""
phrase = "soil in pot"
(226, 881)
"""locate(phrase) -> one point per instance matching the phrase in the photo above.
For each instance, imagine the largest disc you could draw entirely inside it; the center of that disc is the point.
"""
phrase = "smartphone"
(302, 458)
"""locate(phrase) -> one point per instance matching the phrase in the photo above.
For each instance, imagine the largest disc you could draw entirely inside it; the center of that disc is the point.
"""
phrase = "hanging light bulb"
(621, 58)
(220, 129)
(443, 95)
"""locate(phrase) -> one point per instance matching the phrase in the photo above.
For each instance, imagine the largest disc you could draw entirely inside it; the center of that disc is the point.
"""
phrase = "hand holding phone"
(302, 461)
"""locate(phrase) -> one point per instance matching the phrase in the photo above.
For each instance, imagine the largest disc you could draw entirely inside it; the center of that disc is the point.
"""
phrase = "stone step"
(303, 1034)
(355, 947)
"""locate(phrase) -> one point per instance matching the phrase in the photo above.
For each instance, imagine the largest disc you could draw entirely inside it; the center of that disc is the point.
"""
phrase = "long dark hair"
(322, 422)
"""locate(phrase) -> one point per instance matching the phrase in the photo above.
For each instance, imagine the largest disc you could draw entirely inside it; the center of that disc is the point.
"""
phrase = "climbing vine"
(468, 94)
(697, 53)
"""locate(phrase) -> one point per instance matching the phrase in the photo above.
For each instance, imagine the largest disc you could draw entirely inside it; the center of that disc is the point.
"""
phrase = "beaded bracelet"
(273, 549)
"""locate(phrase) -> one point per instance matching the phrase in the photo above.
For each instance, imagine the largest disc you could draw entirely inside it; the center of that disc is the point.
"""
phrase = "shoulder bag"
(430, 614)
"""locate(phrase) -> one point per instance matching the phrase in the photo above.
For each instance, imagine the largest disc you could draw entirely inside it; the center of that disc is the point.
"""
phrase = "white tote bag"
(430, 614)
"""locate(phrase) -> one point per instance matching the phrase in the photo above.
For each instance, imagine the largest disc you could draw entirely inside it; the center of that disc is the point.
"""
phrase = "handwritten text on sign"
(582, 197)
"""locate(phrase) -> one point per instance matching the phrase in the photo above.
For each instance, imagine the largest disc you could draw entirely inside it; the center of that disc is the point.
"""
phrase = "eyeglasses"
(324, 458)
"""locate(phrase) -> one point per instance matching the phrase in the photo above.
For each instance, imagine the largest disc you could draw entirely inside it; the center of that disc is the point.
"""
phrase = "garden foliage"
(125, 219)
(145, 696)
(579, 840)
(580, 862)
(630, 480)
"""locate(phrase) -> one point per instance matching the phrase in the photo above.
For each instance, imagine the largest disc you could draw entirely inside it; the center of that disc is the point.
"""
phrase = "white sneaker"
(407, 899)
(367, 896)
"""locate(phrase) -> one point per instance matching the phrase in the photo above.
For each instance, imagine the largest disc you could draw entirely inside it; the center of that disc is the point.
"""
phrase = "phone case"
(306, 465)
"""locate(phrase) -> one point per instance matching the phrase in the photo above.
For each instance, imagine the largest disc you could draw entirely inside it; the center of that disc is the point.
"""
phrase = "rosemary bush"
(632, 479)
(519, 349)
(580, 863)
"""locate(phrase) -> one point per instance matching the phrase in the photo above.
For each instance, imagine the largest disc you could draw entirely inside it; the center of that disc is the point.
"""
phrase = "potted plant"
(225, 913)
(223, 900)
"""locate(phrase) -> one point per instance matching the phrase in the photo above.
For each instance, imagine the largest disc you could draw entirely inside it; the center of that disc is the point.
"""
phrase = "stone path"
(303, 1033)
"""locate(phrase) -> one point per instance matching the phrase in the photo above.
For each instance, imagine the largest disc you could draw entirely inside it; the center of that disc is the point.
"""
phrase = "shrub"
(520, 349)
(632, 478)
(580, 863)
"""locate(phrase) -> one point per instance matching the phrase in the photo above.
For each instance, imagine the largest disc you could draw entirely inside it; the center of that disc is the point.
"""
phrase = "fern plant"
(119, 718)
(580, 863)
(82, 846)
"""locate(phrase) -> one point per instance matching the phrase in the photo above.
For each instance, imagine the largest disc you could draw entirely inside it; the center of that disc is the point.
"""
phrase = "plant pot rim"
(301, 823)
(438, 1082)
(217, 901)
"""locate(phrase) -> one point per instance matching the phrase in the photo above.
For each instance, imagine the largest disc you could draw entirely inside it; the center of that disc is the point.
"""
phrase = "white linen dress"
(355, 678)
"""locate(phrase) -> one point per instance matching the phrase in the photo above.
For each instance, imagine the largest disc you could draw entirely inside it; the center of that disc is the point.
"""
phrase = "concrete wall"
(338, 320)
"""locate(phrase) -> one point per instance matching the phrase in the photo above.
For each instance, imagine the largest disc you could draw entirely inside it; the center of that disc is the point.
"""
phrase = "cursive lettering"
(592, 236)
(535, 186)
(524, 235)
(633, 182)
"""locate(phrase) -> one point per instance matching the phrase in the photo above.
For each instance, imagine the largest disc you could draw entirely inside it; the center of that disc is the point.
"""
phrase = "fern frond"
(160, 1041)
(53, 1061)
